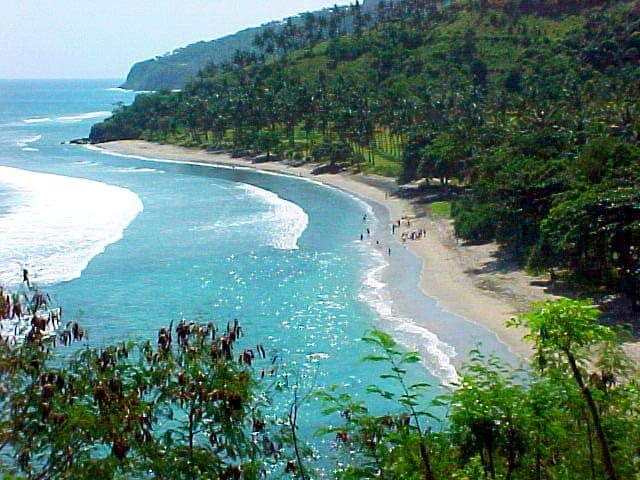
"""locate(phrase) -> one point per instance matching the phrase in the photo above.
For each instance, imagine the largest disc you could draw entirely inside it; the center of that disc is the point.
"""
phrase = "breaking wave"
(436, 355)
(57, 224)
(286, 220)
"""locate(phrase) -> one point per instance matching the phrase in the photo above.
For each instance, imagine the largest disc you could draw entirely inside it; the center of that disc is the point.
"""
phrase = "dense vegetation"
(530, 109)
(185, 408)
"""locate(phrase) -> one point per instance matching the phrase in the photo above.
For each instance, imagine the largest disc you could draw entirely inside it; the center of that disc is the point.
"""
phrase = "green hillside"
(527, 111)
(173, 70)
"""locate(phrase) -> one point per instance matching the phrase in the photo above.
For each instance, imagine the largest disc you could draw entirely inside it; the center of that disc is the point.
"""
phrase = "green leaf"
(374, 358)
(411, 357)
(419, 386)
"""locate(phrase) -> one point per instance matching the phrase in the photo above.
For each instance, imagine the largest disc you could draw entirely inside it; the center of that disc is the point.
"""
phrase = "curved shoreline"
(499, 296)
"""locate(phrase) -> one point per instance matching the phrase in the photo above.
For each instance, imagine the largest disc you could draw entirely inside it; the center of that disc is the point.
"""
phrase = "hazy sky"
(103, 38)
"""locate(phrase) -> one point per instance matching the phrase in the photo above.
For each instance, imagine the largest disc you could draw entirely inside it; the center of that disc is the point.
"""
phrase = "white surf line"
(300, 224)
(212, 164)
(37, 120)
(82, 116)
(290, 218)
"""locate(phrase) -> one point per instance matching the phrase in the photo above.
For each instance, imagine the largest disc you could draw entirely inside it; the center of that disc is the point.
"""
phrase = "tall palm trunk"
(595, 416)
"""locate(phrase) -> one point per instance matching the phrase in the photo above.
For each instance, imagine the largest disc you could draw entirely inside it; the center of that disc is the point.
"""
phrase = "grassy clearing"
(441, 209)
(384, 165)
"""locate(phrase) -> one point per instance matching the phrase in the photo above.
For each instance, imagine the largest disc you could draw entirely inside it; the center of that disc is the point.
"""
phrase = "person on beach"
(25, 277)
(389, 251)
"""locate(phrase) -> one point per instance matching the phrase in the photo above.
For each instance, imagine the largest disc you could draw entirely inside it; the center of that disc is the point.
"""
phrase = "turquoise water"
(127, 245)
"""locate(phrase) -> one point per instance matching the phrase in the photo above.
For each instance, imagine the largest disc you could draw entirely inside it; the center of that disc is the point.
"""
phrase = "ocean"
(127, 245)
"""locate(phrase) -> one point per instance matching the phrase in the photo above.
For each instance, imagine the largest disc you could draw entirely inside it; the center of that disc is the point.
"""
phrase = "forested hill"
(529, 110)
(173, 70)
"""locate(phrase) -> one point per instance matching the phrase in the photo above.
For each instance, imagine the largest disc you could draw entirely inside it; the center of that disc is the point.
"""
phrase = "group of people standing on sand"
(414, 235)
(417, 234)
(396, 226)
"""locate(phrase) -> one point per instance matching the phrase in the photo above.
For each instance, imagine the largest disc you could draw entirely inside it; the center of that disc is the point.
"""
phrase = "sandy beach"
(469, 281)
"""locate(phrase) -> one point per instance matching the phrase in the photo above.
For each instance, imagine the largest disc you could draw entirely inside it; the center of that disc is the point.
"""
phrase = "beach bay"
(280, 253)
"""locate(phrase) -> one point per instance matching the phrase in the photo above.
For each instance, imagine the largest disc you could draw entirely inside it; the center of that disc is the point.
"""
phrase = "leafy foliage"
(126, 411)
(501, 423)
(187, 409)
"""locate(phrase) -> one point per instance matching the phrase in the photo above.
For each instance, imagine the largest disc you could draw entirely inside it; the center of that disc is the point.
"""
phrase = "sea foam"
(24, 142)
(37, 120)
(83, 116)
(287, 221)
(436, 354)
(68, 118)
(57, 224)
(137, 170)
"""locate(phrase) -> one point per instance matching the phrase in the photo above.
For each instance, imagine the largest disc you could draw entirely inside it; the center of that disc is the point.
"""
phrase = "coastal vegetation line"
(525, 113)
